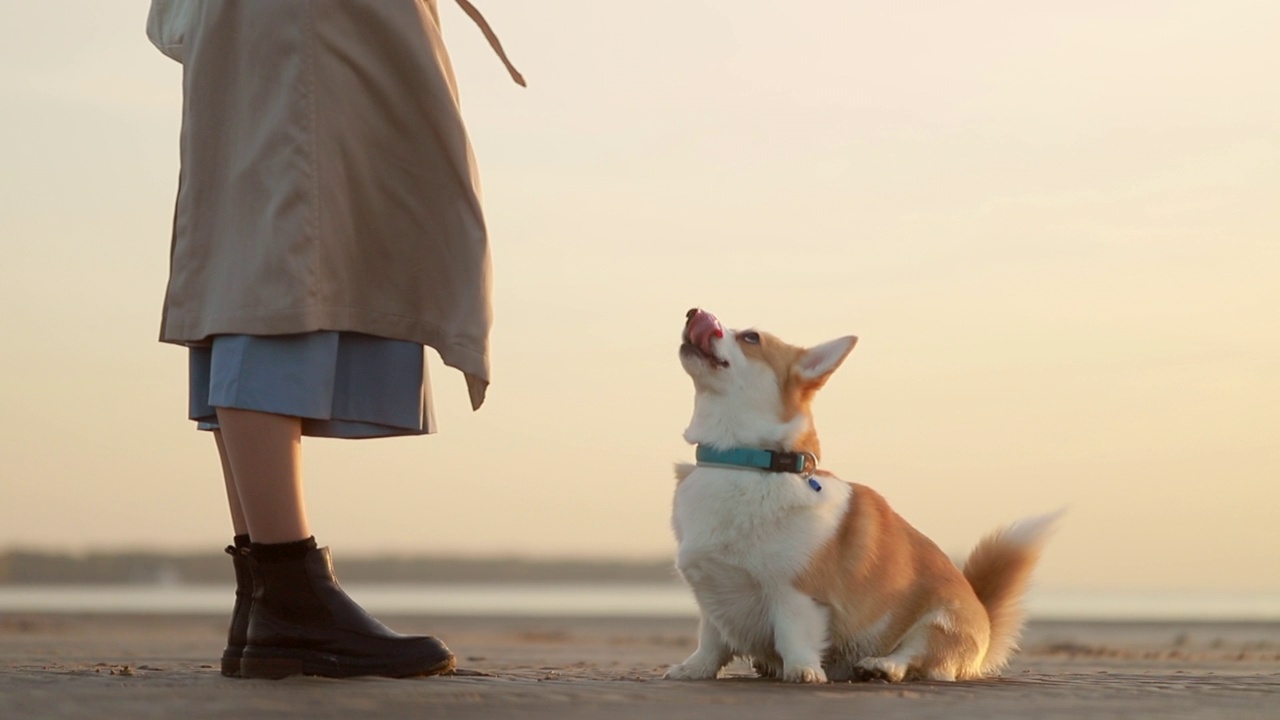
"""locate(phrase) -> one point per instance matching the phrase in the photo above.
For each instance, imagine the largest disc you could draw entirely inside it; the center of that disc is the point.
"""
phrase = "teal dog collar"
(771, 460)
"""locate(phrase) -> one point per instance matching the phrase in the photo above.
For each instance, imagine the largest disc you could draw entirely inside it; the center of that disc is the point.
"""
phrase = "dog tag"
(813, 483)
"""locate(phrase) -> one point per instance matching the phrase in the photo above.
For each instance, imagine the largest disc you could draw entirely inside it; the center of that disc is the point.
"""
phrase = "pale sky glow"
(1054, 227)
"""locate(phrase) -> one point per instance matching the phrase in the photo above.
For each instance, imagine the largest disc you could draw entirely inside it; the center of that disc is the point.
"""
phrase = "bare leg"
(264, 454)
(238, 523)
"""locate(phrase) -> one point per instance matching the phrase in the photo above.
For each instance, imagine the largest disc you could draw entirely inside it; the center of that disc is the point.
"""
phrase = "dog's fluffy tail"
(999, 570)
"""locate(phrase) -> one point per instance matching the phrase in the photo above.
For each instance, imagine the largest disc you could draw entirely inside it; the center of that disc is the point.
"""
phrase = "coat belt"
(492, 37)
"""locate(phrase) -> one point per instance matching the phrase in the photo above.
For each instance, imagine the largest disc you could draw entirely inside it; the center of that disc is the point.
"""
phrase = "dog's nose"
(696, 315)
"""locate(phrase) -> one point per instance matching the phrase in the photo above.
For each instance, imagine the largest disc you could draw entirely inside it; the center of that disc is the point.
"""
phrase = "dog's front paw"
(878, 668)
(804, 674)
(690, 671)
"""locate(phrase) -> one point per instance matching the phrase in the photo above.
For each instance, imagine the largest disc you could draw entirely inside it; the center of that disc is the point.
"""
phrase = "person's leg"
(238, 631)
(300, 621)
(261, 468)
(263, 453)
(238, 523)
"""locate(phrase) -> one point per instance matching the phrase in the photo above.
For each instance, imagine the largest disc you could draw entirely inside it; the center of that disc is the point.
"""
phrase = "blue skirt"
(340, 384)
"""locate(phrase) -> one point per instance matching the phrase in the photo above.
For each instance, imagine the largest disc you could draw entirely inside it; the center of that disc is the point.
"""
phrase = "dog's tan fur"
(797, 393)
(878, 569)
(878, 566)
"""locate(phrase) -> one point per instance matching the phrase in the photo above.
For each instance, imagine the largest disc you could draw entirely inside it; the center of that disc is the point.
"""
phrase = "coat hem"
(472, 362)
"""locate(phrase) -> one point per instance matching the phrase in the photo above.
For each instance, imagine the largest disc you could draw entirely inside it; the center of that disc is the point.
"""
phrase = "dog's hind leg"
(799, 635)
(896, 666)
(933, 649)
(705, 663)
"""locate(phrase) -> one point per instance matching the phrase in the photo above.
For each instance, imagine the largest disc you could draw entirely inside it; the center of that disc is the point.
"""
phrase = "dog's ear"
(818, 362)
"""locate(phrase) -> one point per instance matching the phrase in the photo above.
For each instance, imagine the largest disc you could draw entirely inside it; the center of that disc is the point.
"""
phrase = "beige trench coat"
(327, 182)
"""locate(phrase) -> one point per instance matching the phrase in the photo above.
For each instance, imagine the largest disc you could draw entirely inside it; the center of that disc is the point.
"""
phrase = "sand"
(103, 666)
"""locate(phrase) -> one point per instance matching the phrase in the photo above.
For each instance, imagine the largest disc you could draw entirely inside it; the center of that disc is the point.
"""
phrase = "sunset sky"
(1055, 228)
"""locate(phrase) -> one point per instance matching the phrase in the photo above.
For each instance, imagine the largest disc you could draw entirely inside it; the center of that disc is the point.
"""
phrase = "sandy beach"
(140, 666)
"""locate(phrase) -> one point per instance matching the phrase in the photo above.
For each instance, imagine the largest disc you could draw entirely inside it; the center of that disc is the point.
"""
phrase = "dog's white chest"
(744, 538)
(766, 525)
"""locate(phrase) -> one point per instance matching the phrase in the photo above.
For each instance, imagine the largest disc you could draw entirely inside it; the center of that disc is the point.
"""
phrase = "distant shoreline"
(188, 582)
(21, 567)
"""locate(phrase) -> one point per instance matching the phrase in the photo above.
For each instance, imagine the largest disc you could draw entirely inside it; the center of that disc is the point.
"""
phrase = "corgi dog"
(808, 577)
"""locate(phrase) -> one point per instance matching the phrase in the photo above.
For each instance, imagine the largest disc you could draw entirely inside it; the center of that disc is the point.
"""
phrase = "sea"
(608, 599)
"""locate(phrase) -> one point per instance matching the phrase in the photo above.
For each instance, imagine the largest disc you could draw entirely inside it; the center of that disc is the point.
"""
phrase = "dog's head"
(751, 388)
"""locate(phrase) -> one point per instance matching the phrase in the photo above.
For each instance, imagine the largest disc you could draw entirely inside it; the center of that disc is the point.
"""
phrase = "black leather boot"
(302, 623)
(240, 612)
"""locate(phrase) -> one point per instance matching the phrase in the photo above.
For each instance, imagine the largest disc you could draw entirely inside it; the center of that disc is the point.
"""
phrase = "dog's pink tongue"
(702, 327)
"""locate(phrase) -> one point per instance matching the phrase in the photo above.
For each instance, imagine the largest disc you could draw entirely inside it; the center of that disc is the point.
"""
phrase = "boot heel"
(237, 633)
(231, 666)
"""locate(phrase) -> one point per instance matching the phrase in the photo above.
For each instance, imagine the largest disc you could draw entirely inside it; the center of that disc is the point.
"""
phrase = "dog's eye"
(751, 337)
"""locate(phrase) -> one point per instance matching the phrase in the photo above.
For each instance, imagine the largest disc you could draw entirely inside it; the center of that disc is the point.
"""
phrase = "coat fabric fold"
(327, 181)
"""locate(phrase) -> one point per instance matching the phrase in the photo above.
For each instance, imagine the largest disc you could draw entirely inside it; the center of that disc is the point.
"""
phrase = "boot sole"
(280, 666)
